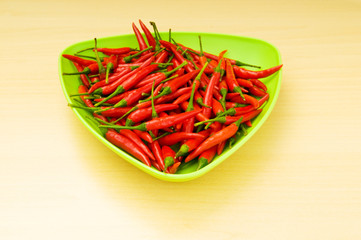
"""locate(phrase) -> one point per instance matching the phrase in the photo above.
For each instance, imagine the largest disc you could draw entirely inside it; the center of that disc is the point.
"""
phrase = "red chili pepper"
(130, 58)
(157, 151)
(191, 144)
(174, 167)
(111, 64)
(209, 91)
(161, 57)
(172, 96)
(244, 82)
(144, 135)
(168, 156)
(164, 114)
(230, 119)
(206, 157)
(217, 107)
(200, 117)
(79, 60)
(158, 123)
(178, 56)
(140, 39)
(135, 95)
(241, 110)
(246, 117)
(256, 91)
(233, 105)
(244, 73)
(114, 89)
(248, 123)
(159, 76)
(231, 80)
(248, 100)
(136, 139)
(114, 112)
(83, 77)
(127, 145)
(115, 51)
(180, 71)
(223, 90)
(143, 58)
(82, 89)
(113, 78)
(90, 69)
(183, 97)
(259, 84)
(221, 146)
(174, 138)
(176, 83)
(148, 34)
(144, 113)
(215, 139)
(216, 58)
(116, 82)
(199, 99)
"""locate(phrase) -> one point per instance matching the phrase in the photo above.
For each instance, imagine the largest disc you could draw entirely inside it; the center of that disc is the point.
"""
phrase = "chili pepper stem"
(128, 59)
(85, 71)
(154, 113)
(82, 107)
(101, 67)
(78, 94)
(117, 91)
(168, 161)
(198, 78)
(239, 63)
(126, 114)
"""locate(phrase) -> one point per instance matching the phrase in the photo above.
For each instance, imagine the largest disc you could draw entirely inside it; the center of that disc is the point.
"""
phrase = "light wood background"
(299, 177)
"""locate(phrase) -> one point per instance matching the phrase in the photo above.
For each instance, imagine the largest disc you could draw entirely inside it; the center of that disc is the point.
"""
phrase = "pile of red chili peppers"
(165, 103)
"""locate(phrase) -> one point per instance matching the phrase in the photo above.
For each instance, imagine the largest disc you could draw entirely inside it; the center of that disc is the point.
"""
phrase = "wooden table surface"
(299, 177)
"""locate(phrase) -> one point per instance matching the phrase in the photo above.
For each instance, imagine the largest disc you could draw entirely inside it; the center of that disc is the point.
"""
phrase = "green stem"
(200, 102)
(163, 135)
(186, 54)
(165, 91)
(200, 46)
(141, 127)
(170, 78)
(117, 91)
(129, 58)
(191, 99)
(175, 69)
(230, 112)
(154, 113)
(217, 119)
(101, 67)
(168, 161)
(85, 71)
(93, 109)
(86, 49)
(156, 36)
(109, 67)
(238, 63)
(155, 30)
(78, 94)
(126, 114)
(84, 56)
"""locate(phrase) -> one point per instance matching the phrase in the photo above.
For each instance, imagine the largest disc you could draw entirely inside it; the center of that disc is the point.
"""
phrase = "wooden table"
(299, 177)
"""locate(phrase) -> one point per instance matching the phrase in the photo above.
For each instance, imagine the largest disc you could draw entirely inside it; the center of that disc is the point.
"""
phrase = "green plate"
(249, 50)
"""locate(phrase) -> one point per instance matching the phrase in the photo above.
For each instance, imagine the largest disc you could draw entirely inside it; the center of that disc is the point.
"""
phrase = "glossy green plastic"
(244, 49)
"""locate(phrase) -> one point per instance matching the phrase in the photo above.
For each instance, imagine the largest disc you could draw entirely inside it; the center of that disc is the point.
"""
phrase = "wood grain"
(297, 178)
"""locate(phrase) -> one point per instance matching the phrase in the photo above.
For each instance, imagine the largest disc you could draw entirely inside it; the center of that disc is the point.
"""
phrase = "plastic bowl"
(245, 49)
